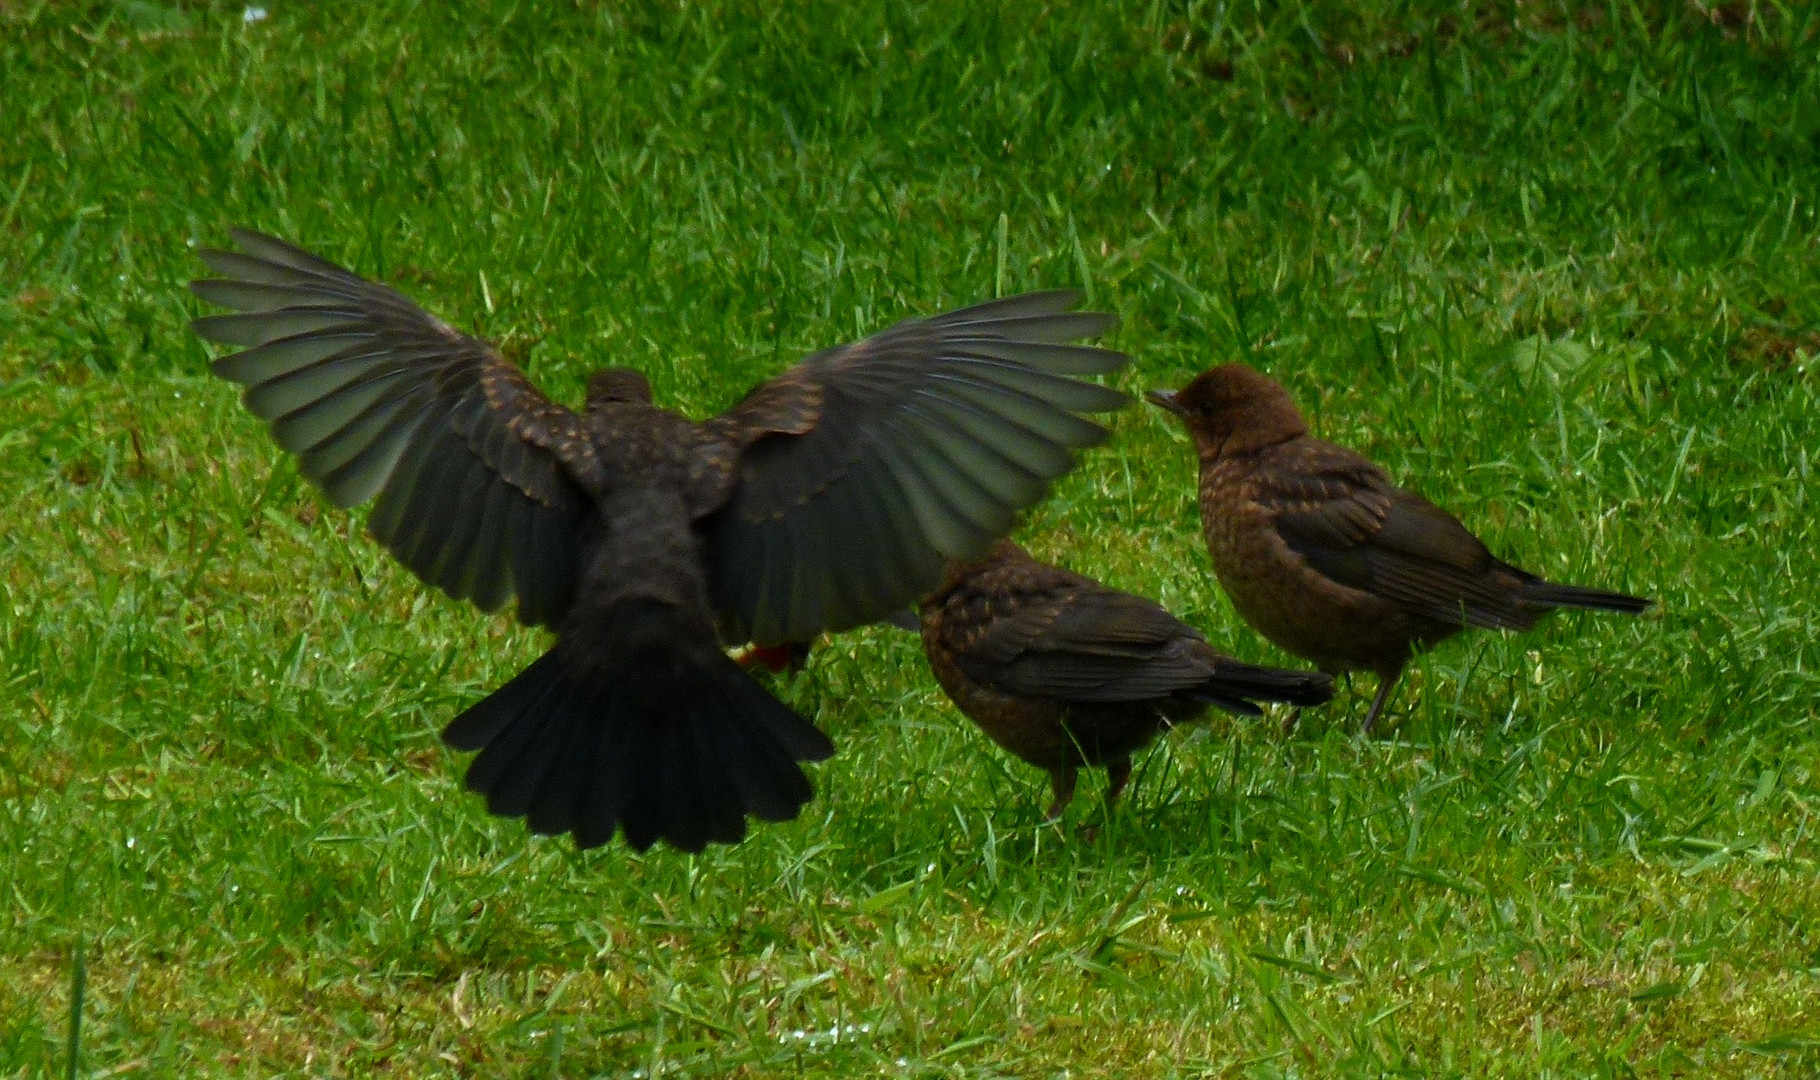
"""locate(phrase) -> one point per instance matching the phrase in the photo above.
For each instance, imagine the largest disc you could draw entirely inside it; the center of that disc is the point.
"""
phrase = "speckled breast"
(1285, 599)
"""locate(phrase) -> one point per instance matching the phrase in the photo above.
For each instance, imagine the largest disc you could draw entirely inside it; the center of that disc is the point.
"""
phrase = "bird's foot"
(786, 659)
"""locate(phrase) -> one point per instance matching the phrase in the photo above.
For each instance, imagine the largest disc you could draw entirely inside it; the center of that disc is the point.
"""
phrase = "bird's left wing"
(1074, 639)
(863, 467)
(377, 397)
(1342, 514)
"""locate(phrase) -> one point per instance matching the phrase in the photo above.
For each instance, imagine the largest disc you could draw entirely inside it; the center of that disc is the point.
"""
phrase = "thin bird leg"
(1118, 774)
(1061, 782)
(1385, 684)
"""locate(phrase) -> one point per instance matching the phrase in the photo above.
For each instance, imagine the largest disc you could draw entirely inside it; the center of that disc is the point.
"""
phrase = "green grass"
(1555, 267)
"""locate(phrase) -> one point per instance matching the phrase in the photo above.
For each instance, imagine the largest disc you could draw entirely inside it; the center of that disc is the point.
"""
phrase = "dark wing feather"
(1342, 514)
(380, 400)
(865, 466)
(1048, 633)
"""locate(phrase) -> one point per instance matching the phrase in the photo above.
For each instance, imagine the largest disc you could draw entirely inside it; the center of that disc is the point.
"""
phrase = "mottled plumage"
(1326, 557)
(827, 498)
(1064, 672)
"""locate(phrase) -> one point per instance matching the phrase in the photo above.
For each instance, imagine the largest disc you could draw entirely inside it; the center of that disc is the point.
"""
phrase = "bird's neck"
(1255, 433)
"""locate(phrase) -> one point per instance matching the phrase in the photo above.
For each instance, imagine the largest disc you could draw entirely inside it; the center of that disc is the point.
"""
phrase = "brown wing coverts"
(378, 398)
(1084, 642)
(1341, 513)
(870, 464)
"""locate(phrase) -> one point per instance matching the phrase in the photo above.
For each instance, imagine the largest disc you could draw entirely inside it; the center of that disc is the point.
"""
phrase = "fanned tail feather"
(677, 751)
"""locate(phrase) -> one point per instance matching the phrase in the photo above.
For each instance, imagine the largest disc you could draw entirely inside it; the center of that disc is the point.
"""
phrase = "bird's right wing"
(377, 397)
(1342, 514)
(1073, 639)
(862, 468)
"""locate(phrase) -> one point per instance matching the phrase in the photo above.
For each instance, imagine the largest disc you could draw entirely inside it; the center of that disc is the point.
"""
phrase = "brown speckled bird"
(828, 497)
(1065, 672)
(1327, 558)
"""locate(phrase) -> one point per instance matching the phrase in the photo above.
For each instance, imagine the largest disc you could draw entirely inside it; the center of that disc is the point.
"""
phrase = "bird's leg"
(1118, 774)
(1386, 682)
(1061, 782)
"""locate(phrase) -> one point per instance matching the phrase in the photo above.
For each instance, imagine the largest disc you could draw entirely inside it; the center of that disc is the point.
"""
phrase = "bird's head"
(1232, 408)
(618, 385)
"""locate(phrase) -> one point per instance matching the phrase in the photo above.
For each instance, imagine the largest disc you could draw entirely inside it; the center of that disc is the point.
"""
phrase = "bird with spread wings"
(829, 497)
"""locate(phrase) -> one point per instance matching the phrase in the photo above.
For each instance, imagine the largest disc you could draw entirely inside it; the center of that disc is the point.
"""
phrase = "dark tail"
(662, 742)
(1238, 687)
(1548, 594)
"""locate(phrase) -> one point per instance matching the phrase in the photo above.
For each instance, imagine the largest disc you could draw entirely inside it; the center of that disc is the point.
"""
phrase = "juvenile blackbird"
(1064, 672)
(828, 497)
(1327, 558)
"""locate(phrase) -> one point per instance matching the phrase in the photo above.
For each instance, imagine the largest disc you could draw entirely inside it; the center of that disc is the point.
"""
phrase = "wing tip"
(252, 239)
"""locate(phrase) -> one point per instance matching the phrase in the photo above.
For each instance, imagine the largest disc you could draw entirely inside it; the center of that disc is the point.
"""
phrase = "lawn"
(1554, 266)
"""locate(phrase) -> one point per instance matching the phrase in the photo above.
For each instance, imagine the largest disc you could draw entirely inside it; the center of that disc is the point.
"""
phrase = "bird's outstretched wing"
(865, 466)
(1342, 514)
(1073, 639)
(377, 397)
